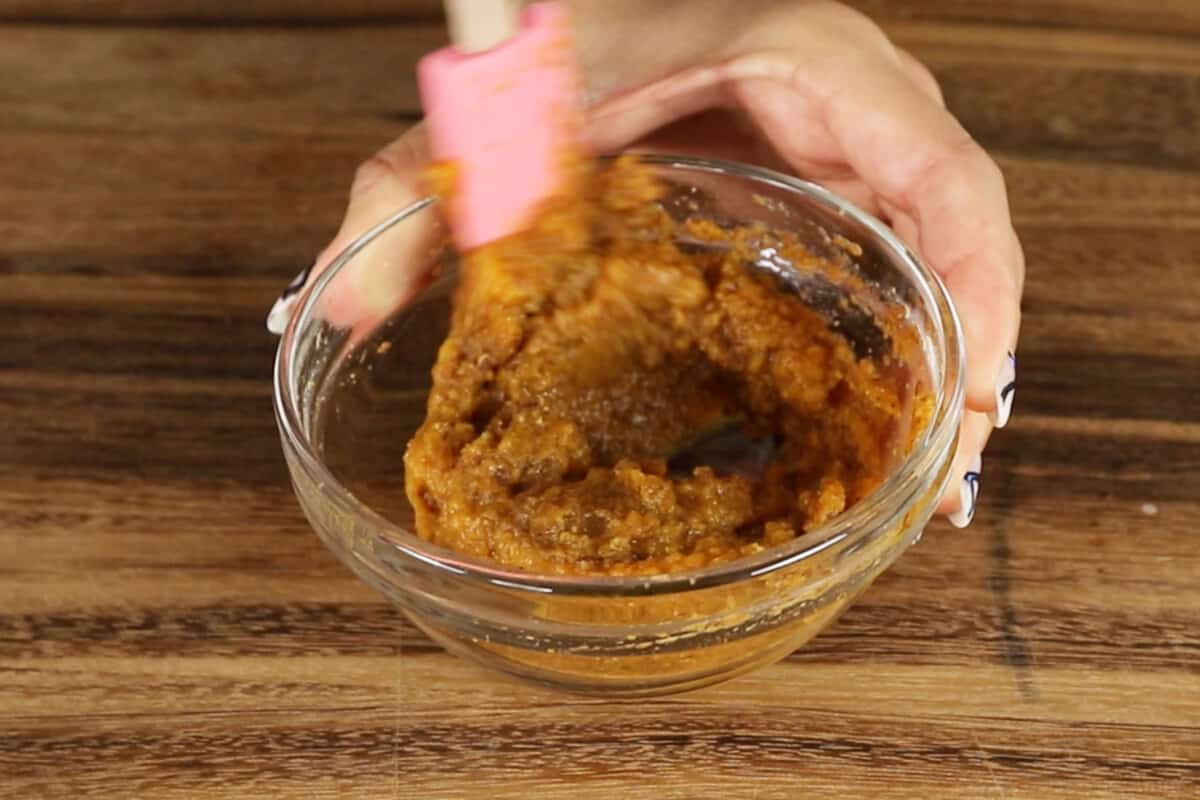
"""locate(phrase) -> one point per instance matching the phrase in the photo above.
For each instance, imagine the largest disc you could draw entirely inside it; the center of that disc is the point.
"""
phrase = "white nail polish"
(968, 495)
(281, 313)
(1006, 390)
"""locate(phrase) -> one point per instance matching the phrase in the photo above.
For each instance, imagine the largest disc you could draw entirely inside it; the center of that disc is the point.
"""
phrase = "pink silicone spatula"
(501, 105)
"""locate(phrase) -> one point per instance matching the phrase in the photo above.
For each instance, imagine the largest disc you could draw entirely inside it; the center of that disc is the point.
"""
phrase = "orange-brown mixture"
(588, 354)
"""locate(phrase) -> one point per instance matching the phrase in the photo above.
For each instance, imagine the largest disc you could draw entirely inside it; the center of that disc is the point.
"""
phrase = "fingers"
(825, 103)
(381, 277)
(921, 76)
(895, 136)
(888, 126)
(948, 199)
(961, 211)
(921, 162)
(966, 473)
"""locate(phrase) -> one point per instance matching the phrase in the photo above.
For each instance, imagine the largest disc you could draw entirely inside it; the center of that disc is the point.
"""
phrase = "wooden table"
(170, 628)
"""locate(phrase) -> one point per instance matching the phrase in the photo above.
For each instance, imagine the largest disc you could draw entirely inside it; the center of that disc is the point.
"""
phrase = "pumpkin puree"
(588, 356)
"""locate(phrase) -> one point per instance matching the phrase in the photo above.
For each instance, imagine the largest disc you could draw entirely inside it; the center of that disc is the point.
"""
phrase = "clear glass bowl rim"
(856, 522)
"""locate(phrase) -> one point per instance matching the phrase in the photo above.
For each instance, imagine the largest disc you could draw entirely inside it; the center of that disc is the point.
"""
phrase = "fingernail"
(968, 494)
(1006, 390)
(281, 312)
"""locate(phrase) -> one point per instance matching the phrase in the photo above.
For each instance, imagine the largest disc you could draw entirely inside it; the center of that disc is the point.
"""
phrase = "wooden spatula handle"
(478, 25)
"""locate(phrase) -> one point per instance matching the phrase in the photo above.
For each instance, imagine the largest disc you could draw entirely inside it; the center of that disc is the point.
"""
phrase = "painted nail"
(281, 312)
(1006, 390)
(968, 494)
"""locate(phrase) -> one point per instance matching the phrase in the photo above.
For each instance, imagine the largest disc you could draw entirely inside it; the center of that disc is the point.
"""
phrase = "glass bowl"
(351, 380)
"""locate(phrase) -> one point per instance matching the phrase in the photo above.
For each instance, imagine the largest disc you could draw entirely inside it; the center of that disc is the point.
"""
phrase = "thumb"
(375, 281)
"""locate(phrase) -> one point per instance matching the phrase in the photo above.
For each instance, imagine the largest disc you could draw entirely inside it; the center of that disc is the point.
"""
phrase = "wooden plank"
(589, 748)
(309, 83)
(1064, 87)
(1169, 17)
(223, 12)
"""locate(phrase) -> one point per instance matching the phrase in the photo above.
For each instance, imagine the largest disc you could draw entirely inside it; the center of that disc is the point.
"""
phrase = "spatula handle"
(478, 25)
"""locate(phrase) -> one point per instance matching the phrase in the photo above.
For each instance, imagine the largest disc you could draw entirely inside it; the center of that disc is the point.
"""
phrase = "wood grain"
(170, 628)
(1171, 17)
(180, 13)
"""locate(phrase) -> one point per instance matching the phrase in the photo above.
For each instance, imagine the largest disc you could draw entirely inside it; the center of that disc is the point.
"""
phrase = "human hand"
(839, 104)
